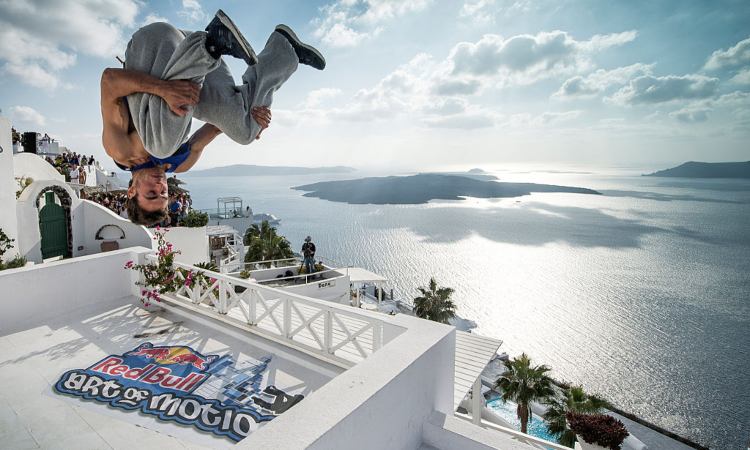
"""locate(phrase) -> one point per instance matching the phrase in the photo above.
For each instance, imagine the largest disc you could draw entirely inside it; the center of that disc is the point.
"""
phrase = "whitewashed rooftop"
(368, 380)
(31, 361)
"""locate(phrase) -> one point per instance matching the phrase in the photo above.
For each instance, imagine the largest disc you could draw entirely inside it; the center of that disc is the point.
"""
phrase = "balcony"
(366, 379)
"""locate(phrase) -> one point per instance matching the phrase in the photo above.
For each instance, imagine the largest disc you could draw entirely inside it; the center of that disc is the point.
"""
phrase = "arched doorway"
(54, 224)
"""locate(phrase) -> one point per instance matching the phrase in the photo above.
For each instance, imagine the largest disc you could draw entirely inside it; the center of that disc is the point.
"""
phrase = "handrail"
(300, 276)
(329, 331)
(514, 433)
(332, 262)
(270, 261)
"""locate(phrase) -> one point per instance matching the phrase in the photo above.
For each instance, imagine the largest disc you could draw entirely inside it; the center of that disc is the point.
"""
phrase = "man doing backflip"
(172, 76)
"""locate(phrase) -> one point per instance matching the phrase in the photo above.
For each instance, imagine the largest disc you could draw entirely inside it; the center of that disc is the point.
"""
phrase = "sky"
(425, 84)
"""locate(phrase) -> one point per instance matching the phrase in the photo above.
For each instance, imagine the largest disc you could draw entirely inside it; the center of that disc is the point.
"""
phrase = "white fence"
(338, 334)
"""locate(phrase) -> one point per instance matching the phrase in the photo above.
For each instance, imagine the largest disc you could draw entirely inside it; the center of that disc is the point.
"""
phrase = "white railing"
(306, 276)
(273, 263)
(335, 333)
(514, 434)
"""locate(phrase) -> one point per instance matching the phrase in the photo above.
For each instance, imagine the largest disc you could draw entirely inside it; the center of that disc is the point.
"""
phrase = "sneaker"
(225, 39)
(307, 54)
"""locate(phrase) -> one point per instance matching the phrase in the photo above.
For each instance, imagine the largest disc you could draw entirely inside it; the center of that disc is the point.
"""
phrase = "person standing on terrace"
(172, 76)
(308, 252)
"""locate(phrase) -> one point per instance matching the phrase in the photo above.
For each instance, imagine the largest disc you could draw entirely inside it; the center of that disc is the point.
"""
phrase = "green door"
(53, 228)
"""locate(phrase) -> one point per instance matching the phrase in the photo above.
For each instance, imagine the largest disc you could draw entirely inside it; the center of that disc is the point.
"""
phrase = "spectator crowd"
(115, 201)
(179, 205)
(71, 165)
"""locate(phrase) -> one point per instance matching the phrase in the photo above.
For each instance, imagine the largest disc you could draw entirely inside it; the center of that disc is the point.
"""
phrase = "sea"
(641, 295)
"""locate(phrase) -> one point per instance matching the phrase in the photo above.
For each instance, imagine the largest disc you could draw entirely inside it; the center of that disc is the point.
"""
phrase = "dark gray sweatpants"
(165, 52)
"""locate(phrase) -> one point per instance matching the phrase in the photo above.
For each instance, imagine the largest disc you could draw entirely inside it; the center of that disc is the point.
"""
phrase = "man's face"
(150, 186)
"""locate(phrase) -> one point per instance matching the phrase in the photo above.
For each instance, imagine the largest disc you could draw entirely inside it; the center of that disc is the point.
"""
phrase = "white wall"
(86, 219)
(8, 221)
(333, 289)
(32, 294)
(34, 166)
(448, 432)
(191, 242)
(382, 402)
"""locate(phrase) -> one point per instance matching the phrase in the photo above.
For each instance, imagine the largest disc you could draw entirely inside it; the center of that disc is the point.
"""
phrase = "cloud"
(734, 103)
(548, 118)
(436, 92)
(35, 75)
(456, 86)
(340, 35)
(484, 11)
(346, 23)
(529, 121)
(598, 81)
(525, 58)
(730, 59)
(479, 11)
(742, 77)
(469, 121)
(691, 114)
(648, 89)
(736, 98)
(152, 18)
(27, 115)
(192, 11)
(38, 38)
(317, 97)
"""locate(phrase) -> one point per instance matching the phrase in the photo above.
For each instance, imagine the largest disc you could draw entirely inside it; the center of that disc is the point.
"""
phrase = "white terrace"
(371, 381)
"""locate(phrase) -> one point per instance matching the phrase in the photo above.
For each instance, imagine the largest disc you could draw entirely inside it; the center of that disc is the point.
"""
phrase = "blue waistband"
(173, 160)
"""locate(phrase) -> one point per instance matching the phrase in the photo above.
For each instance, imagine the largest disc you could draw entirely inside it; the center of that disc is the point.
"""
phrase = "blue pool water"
(507, 410)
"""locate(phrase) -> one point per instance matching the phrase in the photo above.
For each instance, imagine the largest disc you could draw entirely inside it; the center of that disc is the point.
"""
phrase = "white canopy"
(360, 275)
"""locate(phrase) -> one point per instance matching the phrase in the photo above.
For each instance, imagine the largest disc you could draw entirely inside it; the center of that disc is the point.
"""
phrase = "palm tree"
(523, 383)
(256, 231)
(573, 399)
(435, 303)
(264, 244)
(210, 265)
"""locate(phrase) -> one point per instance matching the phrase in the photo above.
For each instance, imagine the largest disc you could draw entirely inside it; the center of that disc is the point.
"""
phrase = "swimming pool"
(507, 410)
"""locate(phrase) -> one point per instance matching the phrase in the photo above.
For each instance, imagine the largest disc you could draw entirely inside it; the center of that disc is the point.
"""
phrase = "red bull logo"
(179, 384)
(174, 355)
(177, 368)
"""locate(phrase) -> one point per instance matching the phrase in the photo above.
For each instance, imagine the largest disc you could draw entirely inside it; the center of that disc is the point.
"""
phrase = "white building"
(47, 219)
(369, 380)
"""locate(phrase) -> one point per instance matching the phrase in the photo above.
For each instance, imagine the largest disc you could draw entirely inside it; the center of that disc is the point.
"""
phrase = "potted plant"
(597, 431)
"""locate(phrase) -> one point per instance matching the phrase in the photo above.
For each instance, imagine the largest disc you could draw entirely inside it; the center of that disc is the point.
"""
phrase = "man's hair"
(142, 217)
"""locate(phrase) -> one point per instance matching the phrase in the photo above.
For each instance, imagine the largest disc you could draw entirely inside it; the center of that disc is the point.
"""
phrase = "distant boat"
(232, 211)
(261, 217)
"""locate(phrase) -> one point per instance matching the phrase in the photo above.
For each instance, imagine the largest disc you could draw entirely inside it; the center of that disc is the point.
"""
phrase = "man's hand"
(262, 115)
(179, 94)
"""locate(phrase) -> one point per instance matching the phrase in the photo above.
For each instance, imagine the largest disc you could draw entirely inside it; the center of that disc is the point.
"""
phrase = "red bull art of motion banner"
(179, 384)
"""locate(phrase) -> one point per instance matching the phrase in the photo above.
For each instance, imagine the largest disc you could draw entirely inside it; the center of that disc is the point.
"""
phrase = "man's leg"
(310, 265)
(228, 106)
(165, 52)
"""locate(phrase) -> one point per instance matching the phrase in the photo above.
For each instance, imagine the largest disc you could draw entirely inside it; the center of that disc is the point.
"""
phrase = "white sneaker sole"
(224, 19)
(302, 44)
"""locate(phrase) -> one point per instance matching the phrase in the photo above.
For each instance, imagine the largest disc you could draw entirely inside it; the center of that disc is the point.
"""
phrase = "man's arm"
(119, 83)
(115, 117)
(208, 132)
(198, 141)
